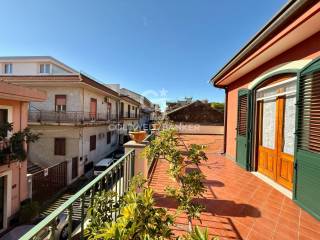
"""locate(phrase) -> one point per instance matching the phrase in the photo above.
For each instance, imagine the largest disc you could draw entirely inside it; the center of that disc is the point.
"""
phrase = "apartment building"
(156, 114)
(129, 114)
(146, 106)
(13, 172)
(78, 121)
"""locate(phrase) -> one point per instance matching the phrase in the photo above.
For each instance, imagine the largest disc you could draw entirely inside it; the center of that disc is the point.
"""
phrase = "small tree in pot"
(190, 183)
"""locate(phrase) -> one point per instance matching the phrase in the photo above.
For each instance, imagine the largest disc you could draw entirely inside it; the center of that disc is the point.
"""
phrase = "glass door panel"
(269, 123)
(289, 125)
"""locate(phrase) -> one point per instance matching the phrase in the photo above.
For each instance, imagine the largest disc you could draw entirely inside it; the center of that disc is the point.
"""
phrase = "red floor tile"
(238, 204)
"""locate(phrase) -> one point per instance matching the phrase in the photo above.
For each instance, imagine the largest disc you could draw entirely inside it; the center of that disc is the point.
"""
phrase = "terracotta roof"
(94, 83)
(38, 78)
(129, 99)
(15, 92)
(59, 78)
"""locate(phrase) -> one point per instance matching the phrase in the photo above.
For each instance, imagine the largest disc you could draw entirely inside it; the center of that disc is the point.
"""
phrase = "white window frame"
(10, 68)
(287, 93)
(44, 64)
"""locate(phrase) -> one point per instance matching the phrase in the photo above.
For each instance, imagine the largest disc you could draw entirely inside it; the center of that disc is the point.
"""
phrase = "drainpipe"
(118, 119)
(81, 129)
(225, 120)
(19, 194)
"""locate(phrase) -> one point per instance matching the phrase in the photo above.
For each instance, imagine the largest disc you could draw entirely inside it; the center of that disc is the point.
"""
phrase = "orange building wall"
(309, 49)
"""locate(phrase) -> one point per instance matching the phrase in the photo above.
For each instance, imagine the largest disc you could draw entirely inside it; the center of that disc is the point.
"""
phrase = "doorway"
(2, 201)
(93, 109)
(276, 127)
(74, 167)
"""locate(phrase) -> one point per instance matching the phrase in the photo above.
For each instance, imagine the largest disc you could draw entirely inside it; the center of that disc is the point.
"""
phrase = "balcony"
(116, 178)
(74, 117)
(238, 205)
(127, 115)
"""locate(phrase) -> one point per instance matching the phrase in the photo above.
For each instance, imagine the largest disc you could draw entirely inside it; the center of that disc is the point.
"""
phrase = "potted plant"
(155, 126)
(137, 135)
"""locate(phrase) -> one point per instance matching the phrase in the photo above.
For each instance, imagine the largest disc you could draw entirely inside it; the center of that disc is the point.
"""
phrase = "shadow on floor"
(229, 208)
(215, 207)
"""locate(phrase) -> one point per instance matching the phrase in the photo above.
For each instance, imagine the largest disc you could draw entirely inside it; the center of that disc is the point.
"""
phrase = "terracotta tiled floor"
(238, 204)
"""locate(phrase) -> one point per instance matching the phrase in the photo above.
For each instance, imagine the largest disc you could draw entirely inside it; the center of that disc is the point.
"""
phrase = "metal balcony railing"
(113, 117)
(69, 117)
(117, 177)
(127, 115)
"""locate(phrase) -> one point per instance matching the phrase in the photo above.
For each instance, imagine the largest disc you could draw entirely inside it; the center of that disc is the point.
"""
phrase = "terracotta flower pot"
(138, 136)
(155, 126)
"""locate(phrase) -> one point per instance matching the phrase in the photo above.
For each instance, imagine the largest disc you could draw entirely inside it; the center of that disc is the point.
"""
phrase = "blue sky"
(167, 49)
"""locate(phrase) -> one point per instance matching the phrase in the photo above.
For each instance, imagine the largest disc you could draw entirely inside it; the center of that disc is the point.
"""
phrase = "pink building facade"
(14, 102)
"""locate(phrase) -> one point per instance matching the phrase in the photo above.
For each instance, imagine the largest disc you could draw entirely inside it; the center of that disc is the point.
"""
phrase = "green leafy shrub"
(101, 211)
(198, 234)
(16, 148)
(139, 219)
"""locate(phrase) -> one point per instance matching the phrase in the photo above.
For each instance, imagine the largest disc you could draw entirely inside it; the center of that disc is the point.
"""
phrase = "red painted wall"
(308, 49)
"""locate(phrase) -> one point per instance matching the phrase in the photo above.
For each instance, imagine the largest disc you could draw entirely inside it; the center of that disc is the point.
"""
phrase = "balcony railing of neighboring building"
(117, 177)
(113, 117)
(132, 115)
(69, 116)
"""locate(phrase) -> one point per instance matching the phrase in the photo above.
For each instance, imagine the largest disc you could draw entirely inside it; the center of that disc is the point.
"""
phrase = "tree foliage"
(190, 183)
(15, 149)
(217, 105)
(139, 219)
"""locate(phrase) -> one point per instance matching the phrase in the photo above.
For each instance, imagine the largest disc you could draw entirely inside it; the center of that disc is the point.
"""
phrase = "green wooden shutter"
(307, 152)
(243, 128)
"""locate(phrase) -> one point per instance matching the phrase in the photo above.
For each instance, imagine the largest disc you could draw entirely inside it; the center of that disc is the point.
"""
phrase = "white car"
(61, 232)
(102, 165)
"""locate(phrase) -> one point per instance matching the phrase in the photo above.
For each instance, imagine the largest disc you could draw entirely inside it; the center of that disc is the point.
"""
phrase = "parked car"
(62, 229)
(61, 232)
(17, 232)
(102, 165)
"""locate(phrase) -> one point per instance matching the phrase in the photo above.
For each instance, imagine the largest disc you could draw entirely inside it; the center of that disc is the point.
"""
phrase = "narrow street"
(72, 189)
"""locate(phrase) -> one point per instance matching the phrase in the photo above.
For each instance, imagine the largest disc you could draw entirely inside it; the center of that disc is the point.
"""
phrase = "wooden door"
(267, 152)
(285, 133)
(276, 140)
(93, 108)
